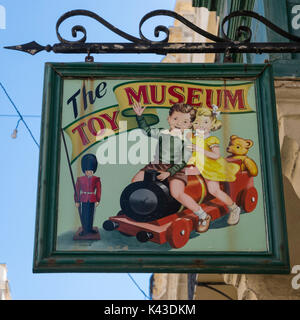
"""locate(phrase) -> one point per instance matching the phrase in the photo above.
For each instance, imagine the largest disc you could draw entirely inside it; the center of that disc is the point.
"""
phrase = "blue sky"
(22, 76)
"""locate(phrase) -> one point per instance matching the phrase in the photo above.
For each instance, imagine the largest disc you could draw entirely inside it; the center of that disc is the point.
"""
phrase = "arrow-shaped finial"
(30, 47)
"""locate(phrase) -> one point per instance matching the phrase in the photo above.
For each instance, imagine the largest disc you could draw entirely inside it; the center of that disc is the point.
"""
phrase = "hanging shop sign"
(159, 168)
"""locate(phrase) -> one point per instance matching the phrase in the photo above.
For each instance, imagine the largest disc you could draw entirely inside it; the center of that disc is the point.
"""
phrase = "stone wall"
(169, 286)
(4, 287)
(202, 18)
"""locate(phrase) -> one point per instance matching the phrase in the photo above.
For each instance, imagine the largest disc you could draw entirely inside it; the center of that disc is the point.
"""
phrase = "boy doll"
(169, 159)
(85, 197)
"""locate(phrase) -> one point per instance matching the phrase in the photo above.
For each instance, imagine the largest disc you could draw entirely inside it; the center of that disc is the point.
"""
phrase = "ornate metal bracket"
(144, 45)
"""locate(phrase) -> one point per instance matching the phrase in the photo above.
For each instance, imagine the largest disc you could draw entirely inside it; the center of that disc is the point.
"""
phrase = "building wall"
(202, 18)
(4, 288)
(248, 287)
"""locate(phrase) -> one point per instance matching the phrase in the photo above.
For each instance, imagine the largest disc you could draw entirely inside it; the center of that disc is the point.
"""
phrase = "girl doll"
(207, 159)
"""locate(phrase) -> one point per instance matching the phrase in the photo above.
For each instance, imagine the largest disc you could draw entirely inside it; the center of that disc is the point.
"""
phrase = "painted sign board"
(159, 168)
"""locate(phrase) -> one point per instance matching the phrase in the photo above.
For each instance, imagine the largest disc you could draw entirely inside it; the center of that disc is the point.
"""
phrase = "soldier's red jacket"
(88, 189)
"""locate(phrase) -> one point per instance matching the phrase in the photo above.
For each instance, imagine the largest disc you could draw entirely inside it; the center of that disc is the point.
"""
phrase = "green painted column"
(211, 5)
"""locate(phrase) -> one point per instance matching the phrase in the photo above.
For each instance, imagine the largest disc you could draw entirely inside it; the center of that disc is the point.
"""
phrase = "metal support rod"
(163, 49)
(260, 47)
(143, 45)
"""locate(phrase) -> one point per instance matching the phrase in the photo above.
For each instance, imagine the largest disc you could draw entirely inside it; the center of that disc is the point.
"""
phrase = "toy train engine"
(150, 213)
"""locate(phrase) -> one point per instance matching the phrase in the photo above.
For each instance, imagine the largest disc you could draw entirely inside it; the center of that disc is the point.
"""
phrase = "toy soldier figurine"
(87, 196)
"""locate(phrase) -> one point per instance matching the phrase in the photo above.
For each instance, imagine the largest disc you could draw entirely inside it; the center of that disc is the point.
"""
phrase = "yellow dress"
(212, 169)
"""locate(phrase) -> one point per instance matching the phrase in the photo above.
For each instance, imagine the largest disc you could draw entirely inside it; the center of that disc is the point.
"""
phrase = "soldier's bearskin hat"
(89, 162)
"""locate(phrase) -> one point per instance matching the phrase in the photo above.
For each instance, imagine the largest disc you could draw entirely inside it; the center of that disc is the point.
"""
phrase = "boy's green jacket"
(171, 149)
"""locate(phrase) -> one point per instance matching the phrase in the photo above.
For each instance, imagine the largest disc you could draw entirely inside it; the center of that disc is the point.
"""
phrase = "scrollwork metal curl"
(164, 29)
(79, 28)
(247, 31)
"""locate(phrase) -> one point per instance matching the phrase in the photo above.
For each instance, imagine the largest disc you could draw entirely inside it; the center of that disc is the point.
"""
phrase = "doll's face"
(179, 121)
(89, 173)
(202, 123)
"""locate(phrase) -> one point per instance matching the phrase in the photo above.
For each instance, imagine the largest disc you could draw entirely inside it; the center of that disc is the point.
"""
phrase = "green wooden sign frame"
(48, 259)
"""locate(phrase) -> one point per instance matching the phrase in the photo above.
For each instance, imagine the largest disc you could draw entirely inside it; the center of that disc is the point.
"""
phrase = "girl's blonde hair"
(207, 112)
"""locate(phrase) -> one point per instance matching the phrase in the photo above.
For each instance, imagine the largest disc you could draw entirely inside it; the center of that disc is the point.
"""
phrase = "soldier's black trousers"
(87, 210)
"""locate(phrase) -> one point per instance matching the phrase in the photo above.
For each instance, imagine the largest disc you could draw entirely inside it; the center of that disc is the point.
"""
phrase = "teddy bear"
(239, 148)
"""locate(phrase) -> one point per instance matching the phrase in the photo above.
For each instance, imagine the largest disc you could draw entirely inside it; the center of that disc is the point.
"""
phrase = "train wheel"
(178, 234)
(249, 199)
(109, 225)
